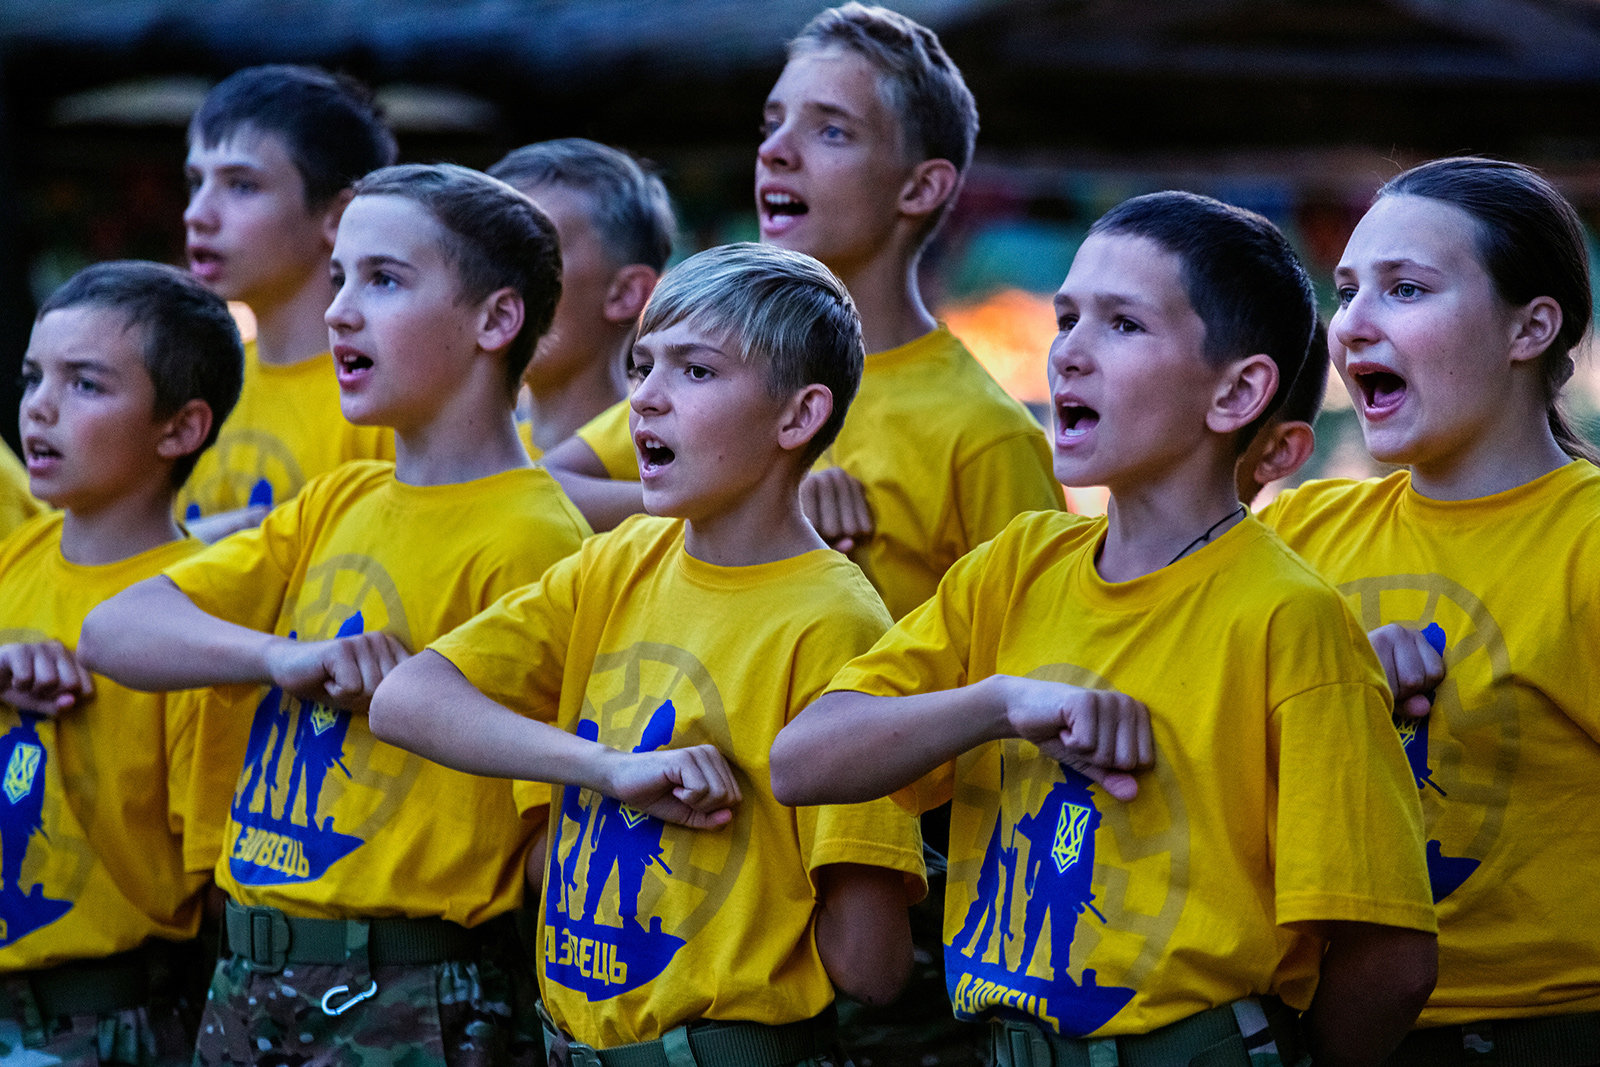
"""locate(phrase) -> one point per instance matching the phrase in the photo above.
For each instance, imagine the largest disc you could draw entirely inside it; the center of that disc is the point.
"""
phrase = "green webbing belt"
(269, 939)
(711, 1044)
(80, 987)
(1546, 1041)
(1221, 1037)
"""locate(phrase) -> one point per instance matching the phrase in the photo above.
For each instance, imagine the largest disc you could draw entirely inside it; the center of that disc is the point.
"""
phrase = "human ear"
(334, 212)
(1243, 393)
(185, 431)
(1288, 446)
(628, 293)
(500, 316)
(928, 187)
(804, 415)
(1536, 325)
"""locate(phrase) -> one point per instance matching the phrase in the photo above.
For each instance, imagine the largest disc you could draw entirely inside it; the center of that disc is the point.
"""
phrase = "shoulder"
(31, 543)
(1333, 502)
(931, 372)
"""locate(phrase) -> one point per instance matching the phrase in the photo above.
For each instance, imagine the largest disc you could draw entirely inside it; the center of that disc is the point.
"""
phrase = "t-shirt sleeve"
(514, 652)
(1003, 480)
(927, 651)
(206, 739)
(607, 434)
(1349, 835)
(878, 833)
(244, 577)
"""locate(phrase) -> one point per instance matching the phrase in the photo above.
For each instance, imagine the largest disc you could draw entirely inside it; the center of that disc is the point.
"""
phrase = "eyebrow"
(680, 349)
(1392, 266)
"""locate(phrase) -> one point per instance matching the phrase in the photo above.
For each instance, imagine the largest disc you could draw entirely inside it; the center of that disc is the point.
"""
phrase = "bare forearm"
(849, 747)
(1374, 982)
(153, 637)
(426, 705)
(603, 501)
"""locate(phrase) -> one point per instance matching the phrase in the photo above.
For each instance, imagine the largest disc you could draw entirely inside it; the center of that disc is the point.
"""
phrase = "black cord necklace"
(1203, 538)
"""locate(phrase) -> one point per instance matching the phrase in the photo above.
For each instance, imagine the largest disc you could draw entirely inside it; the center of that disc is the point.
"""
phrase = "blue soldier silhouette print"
(623, 839)
(261, 494)
(274, 846)
(1057, 876)
(1061, 849)
(1445, 873)
(269, 726)
(583, 953)
(23, 756)
(572, 809)
(991, 898)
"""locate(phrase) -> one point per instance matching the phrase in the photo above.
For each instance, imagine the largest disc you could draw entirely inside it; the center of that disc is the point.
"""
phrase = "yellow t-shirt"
(608, 434)
(946, 457)
(286, 429)
(637, 643)
(328, 821)
(1280, 793)
(17, 504)
(1507, 763)
(525, 435)
(99, 805)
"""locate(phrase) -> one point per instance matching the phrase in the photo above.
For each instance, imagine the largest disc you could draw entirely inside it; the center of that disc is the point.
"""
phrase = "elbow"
(386, 715)
(1419, 974)
(92, 648)
(790, 783)
(877, 980)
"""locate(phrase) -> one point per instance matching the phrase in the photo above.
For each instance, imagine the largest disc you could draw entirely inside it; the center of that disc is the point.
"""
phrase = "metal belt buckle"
(268, 948)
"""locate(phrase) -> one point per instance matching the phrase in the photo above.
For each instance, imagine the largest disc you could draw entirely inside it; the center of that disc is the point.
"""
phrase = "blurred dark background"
(1296, 108)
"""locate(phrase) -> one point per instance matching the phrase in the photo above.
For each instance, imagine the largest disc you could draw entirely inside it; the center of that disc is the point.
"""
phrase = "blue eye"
(1346, 294)
(1407, 290)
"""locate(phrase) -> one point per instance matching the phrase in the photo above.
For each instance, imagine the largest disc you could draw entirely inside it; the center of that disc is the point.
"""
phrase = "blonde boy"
(616, 227)
(710, 623)
(1271, 845)
(109, 825)
(273, 151)
(368, 887)
(866, 136)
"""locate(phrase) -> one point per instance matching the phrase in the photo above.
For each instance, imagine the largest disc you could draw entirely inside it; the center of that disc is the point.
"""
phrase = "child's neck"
(292, 330)
(889, 300)
(559, 410)
(445, 452)
(768, 525)
(1148, 528)
(120, 530)
(1496, 462)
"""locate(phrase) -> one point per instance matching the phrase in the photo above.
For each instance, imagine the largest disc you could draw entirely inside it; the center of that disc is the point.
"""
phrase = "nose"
(342, 315)
(1352, 324)
(199, 213)
(776, 152)
(647, 397)
(1068, 354)
(39, 404)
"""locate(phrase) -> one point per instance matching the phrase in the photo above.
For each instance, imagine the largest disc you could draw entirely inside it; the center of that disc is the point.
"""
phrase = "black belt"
(712, 1044)
(1544, 1041)
(269, 939)
(1225, 1034)
(81, 987)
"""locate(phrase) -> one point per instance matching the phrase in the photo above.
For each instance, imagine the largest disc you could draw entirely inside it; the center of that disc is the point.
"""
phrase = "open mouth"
(1381, 390)
(37, 454)
(782, 205)
(1076, 420)
(653, 455)
(353, 362)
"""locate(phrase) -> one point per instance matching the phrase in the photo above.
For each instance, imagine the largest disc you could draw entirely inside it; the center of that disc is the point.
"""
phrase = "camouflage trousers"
(138, 1037)
(460, 1013)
